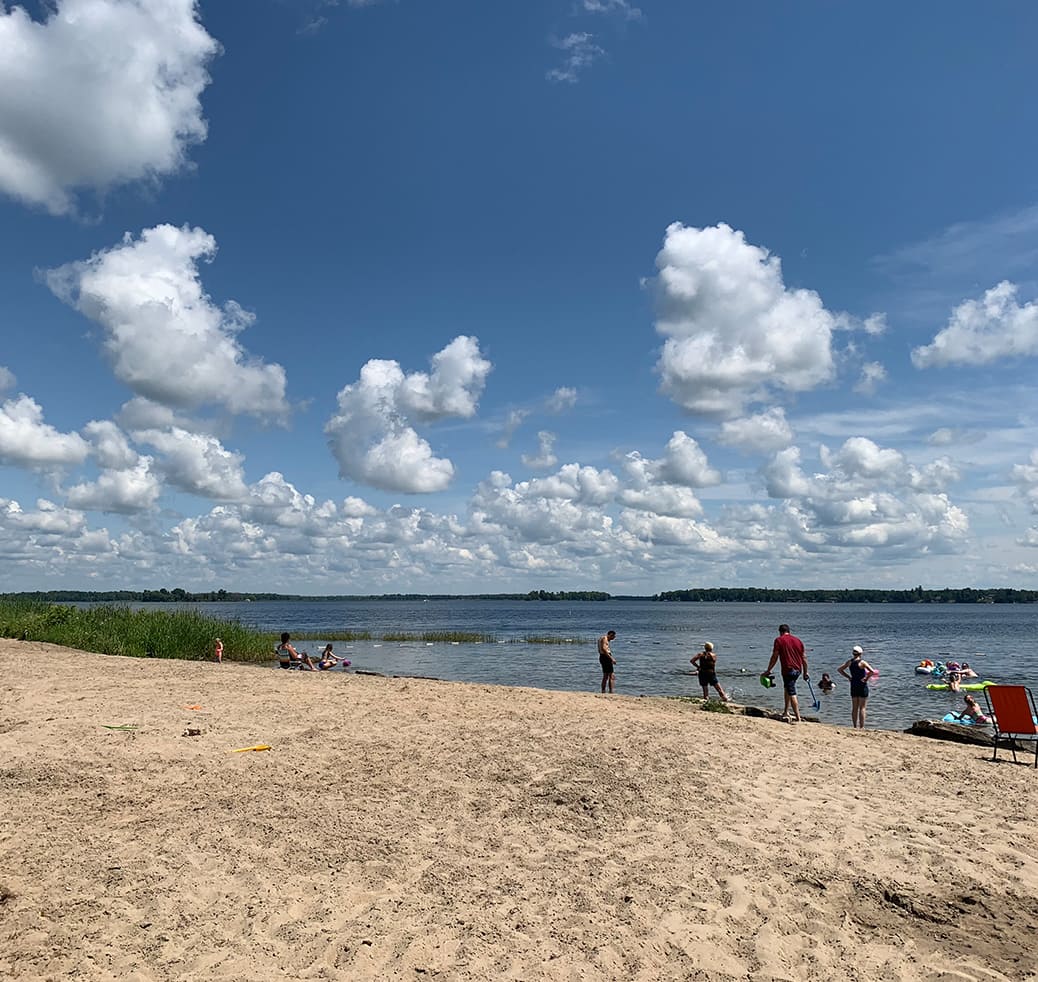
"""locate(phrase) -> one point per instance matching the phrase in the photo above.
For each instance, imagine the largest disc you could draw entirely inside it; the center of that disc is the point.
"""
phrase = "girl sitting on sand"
(328, 660)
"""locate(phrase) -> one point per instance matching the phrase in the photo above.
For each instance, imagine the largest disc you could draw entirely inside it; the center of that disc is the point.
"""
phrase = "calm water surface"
(655, 641)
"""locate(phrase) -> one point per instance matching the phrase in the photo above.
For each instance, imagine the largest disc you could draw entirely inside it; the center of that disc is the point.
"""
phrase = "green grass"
(118, 630)
(466, 637)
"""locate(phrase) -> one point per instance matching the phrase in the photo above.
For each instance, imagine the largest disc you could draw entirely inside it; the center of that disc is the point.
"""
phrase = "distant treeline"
(917, 595)
(226, 596)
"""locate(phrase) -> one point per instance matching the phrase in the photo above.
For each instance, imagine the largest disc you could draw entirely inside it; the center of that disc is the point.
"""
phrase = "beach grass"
(188, 634)
(459, 637)
(120, 630)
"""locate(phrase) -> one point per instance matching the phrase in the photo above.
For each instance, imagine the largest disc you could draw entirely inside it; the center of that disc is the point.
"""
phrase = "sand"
(414, 829)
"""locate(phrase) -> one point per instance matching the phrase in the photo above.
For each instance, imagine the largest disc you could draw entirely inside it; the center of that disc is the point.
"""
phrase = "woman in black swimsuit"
(858, 671)
(706, 665)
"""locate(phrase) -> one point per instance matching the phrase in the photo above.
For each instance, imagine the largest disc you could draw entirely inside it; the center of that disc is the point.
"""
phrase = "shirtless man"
(606, 659)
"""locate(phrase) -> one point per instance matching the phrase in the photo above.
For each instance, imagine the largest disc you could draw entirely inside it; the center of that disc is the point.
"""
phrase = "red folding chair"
(1015, 715)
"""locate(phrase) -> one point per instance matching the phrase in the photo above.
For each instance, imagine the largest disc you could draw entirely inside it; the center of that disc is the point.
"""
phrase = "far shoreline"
(947, 596)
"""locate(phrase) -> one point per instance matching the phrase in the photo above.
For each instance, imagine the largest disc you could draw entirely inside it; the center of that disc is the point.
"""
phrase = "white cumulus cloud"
(763, 433)
(27, 441)
(100, 93)
(734, 329)
(197, 463)
(683, 463)
(561, 400)
(126, 490)
(166, 339)
(872, 374)
(869, 497)
(126, 483)
(372, 437)
(983, 331)
(545, 457)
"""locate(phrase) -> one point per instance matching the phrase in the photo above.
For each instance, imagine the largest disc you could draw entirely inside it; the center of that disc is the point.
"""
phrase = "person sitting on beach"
(825, 683)
(972, 711)
(705, 664)
(290, 658)
(328, 659)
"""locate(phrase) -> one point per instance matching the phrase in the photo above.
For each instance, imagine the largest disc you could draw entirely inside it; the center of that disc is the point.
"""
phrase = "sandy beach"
(414, 829)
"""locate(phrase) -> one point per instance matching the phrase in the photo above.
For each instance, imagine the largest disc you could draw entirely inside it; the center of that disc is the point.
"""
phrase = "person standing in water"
(858, 671)
(606, 659)
(788, 651)
(705, 664)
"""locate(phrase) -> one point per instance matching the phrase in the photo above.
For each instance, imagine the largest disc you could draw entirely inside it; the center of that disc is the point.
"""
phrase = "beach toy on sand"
(768, 681)
(120, 726)
(346, 663)
(195, 706)
(259, 746)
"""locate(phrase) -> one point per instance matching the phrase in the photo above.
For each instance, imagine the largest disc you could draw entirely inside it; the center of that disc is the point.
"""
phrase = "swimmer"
(825, 683)
(972, 710)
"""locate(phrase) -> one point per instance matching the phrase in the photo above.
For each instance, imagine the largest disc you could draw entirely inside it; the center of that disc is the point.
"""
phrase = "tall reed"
(120, 630)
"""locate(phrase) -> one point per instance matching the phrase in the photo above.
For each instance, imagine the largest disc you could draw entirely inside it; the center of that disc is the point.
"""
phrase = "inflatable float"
(968, 721)
(925, 667)
(963, 687)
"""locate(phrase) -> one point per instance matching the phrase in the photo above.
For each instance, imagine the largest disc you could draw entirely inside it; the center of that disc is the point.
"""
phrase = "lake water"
(656, 640)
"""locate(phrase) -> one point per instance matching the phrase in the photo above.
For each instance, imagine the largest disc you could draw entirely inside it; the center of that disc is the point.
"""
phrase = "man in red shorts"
(788, 651)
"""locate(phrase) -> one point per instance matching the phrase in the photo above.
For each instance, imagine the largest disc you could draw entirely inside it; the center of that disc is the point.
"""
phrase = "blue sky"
(368, 297)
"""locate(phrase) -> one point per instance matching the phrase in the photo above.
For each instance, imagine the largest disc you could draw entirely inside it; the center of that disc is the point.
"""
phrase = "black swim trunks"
(708, 677)
(789, 680)
(606, 663)
(859, 690)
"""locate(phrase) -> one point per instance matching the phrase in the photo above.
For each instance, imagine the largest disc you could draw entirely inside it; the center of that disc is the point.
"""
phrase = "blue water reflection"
(655, 641)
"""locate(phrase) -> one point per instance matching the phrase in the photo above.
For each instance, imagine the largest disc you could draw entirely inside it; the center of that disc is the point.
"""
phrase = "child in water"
(826, 684)
(972, 711)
